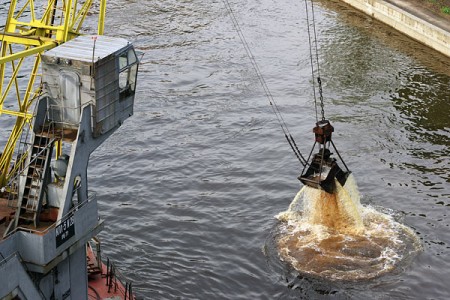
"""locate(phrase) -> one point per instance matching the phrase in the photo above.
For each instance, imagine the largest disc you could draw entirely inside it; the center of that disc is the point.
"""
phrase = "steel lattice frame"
(31, 28)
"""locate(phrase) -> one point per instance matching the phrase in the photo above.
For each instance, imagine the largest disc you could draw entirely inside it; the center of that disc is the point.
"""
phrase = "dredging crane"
(82, 89)
(320, 170)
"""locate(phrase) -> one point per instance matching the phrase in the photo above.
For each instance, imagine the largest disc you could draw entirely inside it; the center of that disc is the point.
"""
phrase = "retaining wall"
(405, 22)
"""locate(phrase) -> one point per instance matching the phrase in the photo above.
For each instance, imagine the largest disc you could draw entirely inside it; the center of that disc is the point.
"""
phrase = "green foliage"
(445, 10)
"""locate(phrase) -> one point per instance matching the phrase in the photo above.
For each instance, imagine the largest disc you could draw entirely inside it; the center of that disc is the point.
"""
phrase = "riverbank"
(412, 19)
(440, 7)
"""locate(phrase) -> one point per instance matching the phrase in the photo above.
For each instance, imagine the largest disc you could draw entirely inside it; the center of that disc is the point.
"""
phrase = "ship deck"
(47, 219)
(103, 282)
(6, 214)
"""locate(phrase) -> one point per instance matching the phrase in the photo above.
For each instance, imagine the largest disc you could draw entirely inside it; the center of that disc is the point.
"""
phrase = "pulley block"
(323, 131)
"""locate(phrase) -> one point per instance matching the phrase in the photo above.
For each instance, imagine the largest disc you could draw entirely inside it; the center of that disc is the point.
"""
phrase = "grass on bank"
(442, 5)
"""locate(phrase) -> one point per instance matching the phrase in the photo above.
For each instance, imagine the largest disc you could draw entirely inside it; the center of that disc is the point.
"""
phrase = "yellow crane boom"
(31, 27)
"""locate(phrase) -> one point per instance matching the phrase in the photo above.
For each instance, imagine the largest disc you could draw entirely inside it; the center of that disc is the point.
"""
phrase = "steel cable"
(269, 96)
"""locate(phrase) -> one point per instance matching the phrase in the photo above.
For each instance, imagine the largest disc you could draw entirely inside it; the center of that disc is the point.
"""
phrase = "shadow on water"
(368, 32)
(406, 83)
(422, 102)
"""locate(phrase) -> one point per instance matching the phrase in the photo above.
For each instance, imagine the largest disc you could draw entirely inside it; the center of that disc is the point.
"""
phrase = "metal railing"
(112, 276)
(70, 213)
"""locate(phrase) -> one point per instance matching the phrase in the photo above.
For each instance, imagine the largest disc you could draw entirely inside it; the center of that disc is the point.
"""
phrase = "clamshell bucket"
(322, 174)
(323, 169)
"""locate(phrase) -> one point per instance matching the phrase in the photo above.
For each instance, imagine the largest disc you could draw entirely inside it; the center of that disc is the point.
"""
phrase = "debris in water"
(335, 237)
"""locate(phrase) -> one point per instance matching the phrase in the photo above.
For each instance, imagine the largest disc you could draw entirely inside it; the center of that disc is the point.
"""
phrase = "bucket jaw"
(322, 170)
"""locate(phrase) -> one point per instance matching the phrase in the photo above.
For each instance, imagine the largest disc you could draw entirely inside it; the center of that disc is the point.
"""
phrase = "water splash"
(334, 236)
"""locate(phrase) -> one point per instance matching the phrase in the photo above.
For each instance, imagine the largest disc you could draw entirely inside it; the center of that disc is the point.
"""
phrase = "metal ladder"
(36, 174)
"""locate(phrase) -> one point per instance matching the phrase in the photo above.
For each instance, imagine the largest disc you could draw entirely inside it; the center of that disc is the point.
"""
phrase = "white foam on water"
(334, 236)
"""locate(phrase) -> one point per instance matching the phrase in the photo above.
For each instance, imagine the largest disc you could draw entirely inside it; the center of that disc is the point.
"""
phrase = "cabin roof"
(81, 48)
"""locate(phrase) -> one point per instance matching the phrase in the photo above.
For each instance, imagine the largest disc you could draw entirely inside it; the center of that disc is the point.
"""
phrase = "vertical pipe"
(115, 281)
(75, 4)
(101, 18)
(67, 19)
(4, 47)
(107, 270)
(33, 15)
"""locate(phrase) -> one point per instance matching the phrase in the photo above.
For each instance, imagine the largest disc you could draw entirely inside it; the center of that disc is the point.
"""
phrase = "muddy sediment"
(334, 236)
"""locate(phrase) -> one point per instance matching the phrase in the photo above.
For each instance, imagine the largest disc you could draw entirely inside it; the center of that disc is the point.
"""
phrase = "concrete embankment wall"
(416, 28)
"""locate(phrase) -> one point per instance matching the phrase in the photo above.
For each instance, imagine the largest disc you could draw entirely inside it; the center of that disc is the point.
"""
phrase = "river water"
(189, 186)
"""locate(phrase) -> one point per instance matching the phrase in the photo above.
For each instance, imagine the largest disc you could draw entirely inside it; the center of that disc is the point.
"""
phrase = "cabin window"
(127, 73)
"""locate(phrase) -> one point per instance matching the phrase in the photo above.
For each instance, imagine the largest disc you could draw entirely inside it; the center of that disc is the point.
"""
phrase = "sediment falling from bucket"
(334, 236)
